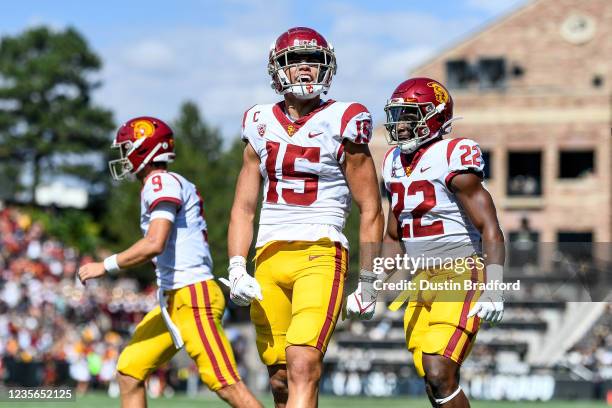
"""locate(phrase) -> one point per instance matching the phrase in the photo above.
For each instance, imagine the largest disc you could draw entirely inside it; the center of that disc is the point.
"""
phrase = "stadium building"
(534, 89)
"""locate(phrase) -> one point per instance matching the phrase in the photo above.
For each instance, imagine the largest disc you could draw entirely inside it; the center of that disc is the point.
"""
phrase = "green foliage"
(75, 228)
(47, 120)
(351, 230)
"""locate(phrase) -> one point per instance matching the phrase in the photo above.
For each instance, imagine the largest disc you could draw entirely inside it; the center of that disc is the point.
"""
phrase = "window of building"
(458, 74)
(486, 158)
(524, 247)
(576, 164)
(571, 236)
(575, 246)
(524, 174)
(492, 72)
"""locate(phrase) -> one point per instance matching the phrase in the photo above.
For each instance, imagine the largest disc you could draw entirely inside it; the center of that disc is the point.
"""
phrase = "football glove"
(490, 305)
(243, 287)
(362, 302)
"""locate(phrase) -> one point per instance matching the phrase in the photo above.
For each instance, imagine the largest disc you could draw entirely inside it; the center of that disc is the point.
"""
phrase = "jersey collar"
(410, 161)
(292, 126)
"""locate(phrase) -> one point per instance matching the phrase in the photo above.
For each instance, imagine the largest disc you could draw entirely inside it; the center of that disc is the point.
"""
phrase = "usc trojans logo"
(290, 130)
(261, 129)
(439, 91)
(143, 128)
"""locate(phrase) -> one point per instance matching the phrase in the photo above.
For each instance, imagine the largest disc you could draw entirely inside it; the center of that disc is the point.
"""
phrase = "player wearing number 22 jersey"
(307, 152)
(441, 213)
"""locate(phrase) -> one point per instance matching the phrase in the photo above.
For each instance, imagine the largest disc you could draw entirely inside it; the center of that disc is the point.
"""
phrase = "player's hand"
(358, 306)
(91, 271)
(362, 302)
(489, 307)
(243, 287)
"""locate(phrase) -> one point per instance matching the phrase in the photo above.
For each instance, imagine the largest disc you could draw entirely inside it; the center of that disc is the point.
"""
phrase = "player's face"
(407, 122)
(304, 67)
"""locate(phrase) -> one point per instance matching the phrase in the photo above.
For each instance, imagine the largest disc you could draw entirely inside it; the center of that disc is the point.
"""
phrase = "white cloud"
(150, 56)
(223, 68)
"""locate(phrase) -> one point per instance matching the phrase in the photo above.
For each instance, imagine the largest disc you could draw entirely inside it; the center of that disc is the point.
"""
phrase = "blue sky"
(157, 54)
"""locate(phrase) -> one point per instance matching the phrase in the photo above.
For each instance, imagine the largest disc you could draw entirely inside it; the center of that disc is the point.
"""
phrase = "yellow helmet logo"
(439, 91)
(143, 128)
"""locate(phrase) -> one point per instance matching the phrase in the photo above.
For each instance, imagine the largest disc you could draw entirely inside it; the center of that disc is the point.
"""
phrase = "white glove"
(243, 287)
(362, 302)
(490, 305)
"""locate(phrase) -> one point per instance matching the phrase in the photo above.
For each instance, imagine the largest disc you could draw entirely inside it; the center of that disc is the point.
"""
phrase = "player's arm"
(243, 287)
(142, 251)
(148, 247)
(361, 178)
(480, 209)
(362, 181)
(391, 244)
(240, 232)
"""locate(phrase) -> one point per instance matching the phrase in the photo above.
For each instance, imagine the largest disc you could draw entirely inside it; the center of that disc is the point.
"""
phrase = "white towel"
(174, 331)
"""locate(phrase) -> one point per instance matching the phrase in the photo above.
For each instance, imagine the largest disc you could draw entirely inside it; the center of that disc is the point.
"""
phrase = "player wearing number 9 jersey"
(175, 240)
(440, 211)
(313, 157)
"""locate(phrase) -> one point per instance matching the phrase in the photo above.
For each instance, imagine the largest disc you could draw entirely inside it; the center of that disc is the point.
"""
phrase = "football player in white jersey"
(175, 239)
(439, 211)
(312, 156)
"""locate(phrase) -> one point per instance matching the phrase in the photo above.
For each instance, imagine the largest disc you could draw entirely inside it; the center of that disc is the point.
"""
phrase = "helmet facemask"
(121, 167)
(407, 123)
(319, 59)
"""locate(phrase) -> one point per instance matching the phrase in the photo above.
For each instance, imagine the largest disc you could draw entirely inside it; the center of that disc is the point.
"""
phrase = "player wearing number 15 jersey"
(175, 240)
(440, 211)
(313, 157)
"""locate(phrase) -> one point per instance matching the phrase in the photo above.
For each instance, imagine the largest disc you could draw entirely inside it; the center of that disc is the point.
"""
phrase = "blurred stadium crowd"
(54, 330)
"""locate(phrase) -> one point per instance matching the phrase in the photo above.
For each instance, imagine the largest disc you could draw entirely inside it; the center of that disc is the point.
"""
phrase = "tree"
(47, 119)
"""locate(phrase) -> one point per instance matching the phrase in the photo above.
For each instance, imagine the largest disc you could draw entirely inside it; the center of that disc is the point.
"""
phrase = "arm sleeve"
(251, 127)
(243, 134)
(356, 124)
(165, 210)
(161, 188)
(387, 167)
(464, 156)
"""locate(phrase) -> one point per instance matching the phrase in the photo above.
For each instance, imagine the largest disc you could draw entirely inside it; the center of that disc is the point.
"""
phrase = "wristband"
(367, 276)
(237, 260)
(495, 272)
(110, 264)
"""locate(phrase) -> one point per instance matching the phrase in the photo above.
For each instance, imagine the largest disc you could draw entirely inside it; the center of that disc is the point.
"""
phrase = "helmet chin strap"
(446, 126)
(409, 146)
(148, 158)
(305, 97)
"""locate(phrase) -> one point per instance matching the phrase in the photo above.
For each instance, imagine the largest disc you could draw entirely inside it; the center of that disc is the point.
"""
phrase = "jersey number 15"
(288, 172)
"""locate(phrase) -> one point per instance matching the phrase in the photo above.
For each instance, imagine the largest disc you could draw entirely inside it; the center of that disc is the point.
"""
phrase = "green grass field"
(102, 401)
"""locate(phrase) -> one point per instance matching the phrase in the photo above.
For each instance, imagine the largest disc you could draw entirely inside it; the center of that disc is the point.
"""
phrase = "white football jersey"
(431, 221)
(186, 258)
(305, 195)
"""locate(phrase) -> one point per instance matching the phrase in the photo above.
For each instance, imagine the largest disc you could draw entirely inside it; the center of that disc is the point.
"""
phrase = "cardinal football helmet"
(296, 47)
(141, 141)
(419, 110)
